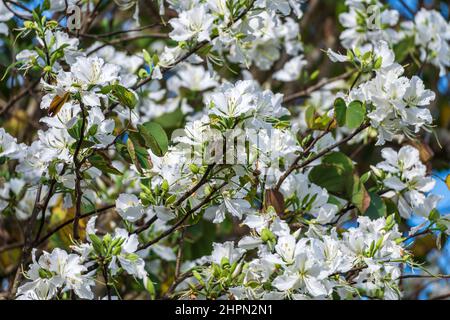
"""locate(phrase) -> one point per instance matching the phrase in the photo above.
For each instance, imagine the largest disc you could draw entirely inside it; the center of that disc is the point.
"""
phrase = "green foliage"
(138, 152)
(351, 116)
(315, 121)
(103, 163)
(337, 174)
(123, 95)
(155, 138)
(377, 207)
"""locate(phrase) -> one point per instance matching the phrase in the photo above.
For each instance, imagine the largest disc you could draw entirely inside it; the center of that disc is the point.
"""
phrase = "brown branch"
(114, 33)
(189, 193)
(10, 246)
(424, 276)
(26, 249)
(122, 40)
(407, 8)
(68, 222)
(176, 282)
(78, 177)
(441, 297)
(180, 252)
(181, 221)
(306, 92)
(321, 153)
(39, 242)
(105, 276)
(46, 202)
(304, 154)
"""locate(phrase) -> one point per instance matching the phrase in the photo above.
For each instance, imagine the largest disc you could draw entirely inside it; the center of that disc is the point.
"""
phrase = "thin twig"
(322, 153)
(26, 249)
(78, 177)
(306, 92)
(180, 253)
(66, 223)
(181, 221)
(304, 154)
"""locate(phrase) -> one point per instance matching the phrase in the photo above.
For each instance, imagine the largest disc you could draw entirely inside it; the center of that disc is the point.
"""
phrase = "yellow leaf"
(57, 104)
(447, 181)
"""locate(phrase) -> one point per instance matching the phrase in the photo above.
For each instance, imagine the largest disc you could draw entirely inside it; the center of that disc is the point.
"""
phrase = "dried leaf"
(274, 199)
(57, 103)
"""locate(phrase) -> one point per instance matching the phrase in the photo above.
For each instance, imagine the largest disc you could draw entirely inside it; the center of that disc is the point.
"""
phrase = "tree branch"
(186, 215)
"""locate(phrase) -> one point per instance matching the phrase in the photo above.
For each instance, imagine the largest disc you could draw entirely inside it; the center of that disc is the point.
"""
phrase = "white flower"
(431, 34)
(379, 51)
(291, 70)
(232, 100)
(103, 127)
(226, 250)
(336, 57)
(232, 202)
(5, 15)
(194, 23)
(55, 144)
(367, 22)
(129, 260)
(163, 213)
(416, 94)
(129, 207)
(399, 103)
(192, 77)
(54, 271)
(406, 176)
(93, 71)
(9, 146)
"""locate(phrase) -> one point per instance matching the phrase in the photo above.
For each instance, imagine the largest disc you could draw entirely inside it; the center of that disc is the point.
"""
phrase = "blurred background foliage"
(319, 29)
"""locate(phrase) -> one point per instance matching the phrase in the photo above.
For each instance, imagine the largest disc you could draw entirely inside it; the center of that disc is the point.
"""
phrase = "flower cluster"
(364, 260)
(263, 161)
(404, 174)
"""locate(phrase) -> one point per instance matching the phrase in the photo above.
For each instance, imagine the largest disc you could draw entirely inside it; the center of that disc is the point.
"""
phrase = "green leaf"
(340, 110)
(75, 130)
(377, 64)
(315, 121)
(150, 287)
(377, 207)
(331, 174)
(96, 243)
(155, 138)
(357, 193)
(314, 75)
(171, 121)
(46, 5)
(101, 162)
(355, 114)
(351, 116)
(125, 96)
(84, 144)
(434, 215)
(138, 153)
(328, 176)
(403, 48)
(147, 57)
(339, 159)
(123, 151)
(336, 174)
(107, 89)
